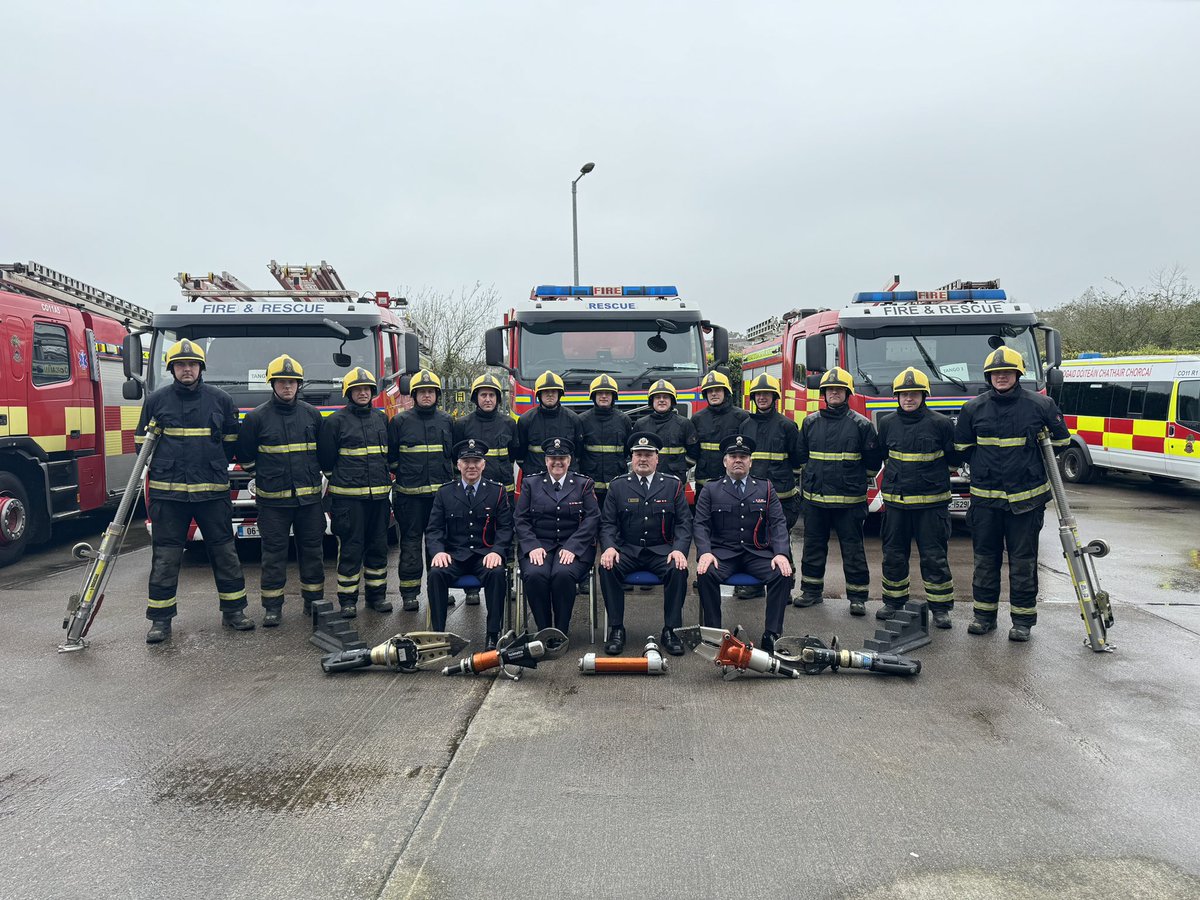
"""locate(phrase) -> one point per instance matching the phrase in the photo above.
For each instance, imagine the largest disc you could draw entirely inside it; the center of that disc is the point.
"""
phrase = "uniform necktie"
(470, 493)
(742, 488)
(645, 484)
(557, 486)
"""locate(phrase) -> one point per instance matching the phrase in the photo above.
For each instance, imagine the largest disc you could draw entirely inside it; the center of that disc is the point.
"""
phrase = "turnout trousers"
(550, 589)
(495, 590)
(756, 567)
(412, 517)
(930, 528)
(170, 520)
(674, 586)
(847, 523)
(361, 530)
(308, 525)
(993, 531)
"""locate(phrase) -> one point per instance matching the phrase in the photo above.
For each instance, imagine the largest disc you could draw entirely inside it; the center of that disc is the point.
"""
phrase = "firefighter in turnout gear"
(557, 521)
(680, 446)
(645, 525)
(997, 433)
(352, 449)
(278, 446)
(605, 431)
(189, 480)
(547, 420)
(918, 451)
(839, 450)
(498, 430)
(420, 442)
(470, 533)
(721, 418)
(777, 453)
(739, 527)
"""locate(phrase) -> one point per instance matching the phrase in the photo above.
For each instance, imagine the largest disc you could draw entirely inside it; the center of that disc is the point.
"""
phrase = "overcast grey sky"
(758, 155)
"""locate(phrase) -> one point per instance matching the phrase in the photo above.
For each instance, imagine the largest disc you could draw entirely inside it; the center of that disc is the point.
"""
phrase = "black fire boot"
(941, 618)
(160, 630)
(980, 625)
(237, 620)
(1019, 633)
(272, 615)
(381, 606)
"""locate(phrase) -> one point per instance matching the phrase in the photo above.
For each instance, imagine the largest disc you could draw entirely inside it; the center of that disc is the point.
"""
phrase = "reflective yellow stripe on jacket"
(378, 490)
(283, 495)
(1000, 442)
(915, 457)
(836, 457)
(188, 432)
(186, 488)
(1011, 498)
(287, 448)
(421, 448)
(412, 491)
(914, 499)
(360, 451)
(835, 499)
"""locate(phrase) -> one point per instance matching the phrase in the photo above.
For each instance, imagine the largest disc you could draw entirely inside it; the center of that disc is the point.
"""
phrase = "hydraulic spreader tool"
(402, 653)
(1094, 606)
(732, 655)
(83, 606)
(513, 654)
(811, 656)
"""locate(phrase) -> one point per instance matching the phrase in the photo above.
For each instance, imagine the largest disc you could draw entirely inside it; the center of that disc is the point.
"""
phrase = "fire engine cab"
(946, 333)
(66, 431)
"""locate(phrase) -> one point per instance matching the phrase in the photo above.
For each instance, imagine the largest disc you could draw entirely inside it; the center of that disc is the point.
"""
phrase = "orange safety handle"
(622, 664)
(481, 662)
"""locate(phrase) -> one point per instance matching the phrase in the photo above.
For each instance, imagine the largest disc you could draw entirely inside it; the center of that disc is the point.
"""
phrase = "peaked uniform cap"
(643, 440)
(738, 443)
(558, 447)
(471, 448)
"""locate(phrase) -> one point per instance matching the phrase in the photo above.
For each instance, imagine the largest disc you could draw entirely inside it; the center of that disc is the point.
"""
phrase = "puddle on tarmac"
(278, 788)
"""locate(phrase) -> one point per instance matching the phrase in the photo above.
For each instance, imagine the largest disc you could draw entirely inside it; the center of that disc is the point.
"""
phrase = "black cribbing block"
(906, 631)
(331, 632)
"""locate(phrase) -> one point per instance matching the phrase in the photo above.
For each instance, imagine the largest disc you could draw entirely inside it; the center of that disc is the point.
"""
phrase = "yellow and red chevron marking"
(1120, 434)
(120, 422)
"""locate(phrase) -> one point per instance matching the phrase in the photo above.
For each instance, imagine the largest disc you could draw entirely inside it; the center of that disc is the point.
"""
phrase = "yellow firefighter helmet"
(603, 383)
(284, 367)
(486, 381)
(715, 379)
(359, 377)
(662, 386)
(765, 383)
(425, 379)
(911, 379)
(548, 381)
(185, 350)
(1004, 359)
(837, 377)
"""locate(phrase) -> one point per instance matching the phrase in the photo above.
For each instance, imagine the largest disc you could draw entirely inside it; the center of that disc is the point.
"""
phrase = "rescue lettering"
(612, 306)
(942, 309)
(281, 307)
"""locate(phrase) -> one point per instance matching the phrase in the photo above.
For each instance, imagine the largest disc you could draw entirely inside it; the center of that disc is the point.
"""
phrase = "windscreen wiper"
(867, 378)
(937, 373)
(567, 372)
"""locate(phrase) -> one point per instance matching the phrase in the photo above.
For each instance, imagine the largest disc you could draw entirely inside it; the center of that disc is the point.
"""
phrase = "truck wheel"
(1075, 467)
(16, 523)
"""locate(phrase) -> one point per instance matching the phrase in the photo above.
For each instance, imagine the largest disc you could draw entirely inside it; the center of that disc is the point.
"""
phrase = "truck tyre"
(16, 518)
(1075, 466)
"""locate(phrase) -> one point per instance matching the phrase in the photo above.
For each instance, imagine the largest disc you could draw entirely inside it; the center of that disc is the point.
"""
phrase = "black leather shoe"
(272, 616)
(768, 641)
(160, 630)
(673, 644)
(858, 608)
(941, 618)
(981, 626)
(472, 598)
(349, 610)
(409, 604)
(806, 600)
(237, 621)
(1019, 633)
(492, 640)
(616, 641)
(381, 606)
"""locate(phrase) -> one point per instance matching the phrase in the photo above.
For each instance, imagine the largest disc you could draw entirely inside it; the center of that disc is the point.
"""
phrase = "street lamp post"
(587, 167)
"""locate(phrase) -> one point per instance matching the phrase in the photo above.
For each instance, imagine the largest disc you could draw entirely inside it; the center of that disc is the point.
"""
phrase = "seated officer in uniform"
(557, 521)
(740, 527)
(645, 525)
(470, 532)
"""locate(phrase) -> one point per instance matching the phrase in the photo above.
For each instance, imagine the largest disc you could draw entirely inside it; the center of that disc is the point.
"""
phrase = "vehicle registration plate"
(959, 504)
(247, 531)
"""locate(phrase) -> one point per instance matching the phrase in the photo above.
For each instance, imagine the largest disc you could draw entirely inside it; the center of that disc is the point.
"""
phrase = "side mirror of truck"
(131, 359)
(412, 353)
(131, 390)
(813, 382)
(720, 346)
(1053, 348)
(493, 345)
(1054, 378)
(814, 353)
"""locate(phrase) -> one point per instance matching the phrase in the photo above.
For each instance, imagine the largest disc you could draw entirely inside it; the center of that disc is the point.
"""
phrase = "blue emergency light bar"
(587, 290)
(927, 296)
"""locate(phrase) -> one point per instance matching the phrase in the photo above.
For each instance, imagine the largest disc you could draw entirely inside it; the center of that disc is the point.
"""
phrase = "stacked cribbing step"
(907, 630)
(331, 632)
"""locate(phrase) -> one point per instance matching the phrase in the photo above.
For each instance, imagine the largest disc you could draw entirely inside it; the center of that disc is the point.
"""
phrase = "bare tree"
(451, 325)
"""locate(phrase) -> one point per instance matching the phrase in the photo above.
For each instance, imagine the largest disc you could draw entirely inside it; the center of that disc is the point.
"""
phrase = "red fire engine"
(66, 432)
(945, 333)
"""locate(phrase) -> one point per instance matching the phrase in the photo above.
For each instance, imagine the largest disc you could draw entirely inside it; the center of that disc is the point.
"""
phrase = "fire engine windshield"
(236, 357)
(635, 352)
(953, 360)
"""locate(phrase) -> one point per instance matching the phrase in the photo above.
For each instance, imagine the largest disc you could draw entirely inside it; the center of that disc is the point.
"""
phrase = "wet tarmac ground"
(227, 765)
